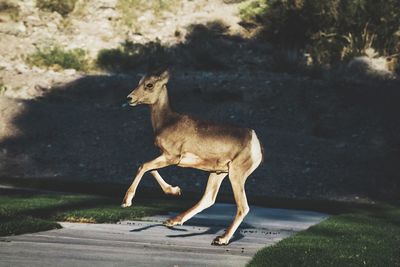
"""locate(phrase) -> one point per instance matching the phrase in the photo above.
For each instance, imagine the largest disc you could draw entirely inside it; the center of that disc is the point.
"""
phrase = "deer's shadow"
(156, 225)
(212, 230)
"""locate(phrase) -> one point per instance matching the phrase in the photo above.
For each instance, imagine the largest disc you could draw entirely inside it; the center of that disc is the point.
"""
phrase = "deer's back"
(206, 140)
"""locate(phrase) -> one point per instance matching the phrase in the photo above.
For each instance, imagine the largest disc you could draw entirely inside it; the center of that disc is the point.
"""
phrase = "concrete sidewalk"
(148, 243)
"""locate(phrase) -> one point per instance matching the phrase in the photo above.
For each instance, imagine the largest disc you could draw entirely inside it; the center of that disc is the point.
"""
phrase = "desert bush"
(9, 8)
(252, 11)
(233, 1)
(130, 56)
(3, 88)
(208, 46)
(63, 7)
(57, 57)
(332, 30)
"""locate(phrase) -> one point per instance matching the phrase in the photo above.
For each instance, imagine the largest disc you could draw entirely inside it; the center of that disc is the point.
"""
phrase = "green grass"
(364, 237)
(22, 225)
(358, 235)
(25, 213)
(57, 58)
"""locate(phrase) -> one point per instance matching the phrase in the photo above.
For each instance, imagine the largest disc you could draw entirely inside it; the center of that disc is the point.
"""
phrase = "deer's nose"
(132, 101)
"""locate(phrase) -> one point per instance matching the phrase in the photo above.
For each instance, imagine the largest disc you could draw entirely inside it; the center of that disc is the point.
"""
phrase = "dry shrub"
(332, 30)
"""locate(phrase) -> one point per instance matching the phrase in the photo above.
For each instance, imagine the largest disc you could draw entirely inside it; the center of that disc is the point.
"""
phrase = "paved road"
(148, 243)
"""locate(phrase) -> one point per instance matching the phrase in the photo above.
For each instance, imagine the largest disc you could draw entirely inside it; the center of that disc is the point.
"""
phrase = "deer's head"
(148, 89)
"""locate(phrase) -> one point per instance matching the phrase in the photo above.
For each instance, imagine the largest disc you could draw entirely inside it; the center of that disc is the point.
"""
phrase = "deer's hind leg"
(208, 199)
(239, 170)
(237, 178)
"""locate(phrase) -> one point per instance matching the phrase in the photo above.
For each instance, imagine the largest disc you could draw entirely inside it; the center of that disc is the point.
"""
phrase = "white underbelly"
(190, 160)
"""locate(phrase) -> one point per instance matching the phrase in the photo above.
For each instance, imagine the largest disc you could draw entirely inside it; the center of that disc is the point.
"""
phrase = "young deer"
(187, 142)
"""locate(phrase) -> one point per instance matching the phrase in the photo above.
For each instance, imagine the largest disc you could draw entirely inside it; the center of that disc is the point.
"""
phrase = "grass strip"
(363, 237)
(29, 212)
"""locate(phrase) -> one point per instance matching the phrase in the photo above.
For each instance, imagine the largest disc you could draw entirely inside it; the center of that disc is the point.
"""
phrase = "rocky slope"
(92, 26)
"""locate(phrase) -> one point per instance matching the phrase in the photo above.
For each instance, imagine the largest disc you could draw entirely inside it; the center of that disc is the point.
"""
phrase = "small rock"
(21, 68)
(52, 26)
(51, 72)
(41, 88)
(367, 66)
(141, 18)
(21, 27)
(37, 69)
(34, 20)
(16, 29)
(5, 65)
(70, 71)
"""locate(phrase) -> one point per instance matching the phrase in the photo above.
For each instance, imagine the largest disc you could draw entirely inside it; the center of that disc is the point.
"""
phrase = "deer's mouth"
(133, 101)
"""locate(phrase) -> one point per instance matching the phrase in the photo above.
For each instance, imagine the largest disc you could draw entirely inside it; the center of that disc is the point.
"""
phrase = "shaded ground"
(151, 244)
(327, 134)
(332, 139)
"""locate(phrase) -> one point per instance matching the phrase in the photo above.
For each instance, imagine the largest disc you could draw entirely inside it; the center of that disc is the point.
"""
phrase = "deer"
(220, 149)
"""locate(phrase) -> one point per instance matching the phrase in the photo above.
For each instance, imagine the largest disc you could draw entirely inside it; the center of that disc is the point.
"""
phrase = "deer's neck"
(161, 111)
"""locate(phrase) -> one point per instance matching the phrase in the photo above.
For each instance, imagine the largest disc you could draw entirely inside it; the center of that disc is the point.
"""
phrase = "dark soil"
(328, 139)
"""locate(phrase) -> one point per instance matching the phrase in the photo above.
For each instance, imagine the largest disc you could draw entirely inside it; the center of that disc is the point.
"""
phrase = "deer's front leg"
(167, 188)
(156, 163)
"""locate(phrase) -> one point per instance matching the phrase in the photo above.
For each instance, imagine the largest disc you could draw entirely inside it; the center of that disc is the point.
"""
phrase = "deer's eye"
(149, 85)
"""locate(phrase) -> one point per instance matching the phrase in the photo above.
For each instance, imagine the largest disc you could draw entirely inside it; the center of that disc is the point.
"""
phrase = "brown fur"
(189, 142)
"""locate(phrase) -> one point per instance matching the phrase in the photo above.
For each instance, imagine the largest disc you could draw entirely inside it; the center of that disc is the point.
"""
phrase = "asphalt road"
(148, 243)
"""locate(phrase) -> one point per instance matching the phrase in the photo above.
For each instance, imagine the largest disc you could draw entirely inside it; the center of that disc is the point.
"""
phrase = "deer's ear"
(165, 76)
(142, 79)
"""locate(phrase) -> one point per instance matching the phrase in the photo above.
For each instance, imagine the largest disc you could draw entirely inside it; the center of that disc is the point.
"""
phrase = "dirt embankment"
(322, 139)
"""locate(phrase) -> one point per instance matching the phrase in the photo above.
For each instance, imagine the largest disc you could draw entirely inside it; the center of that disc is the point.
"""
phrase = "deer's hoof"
(125, 205)
(171, 223)
(220, 241)
(176, 191)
